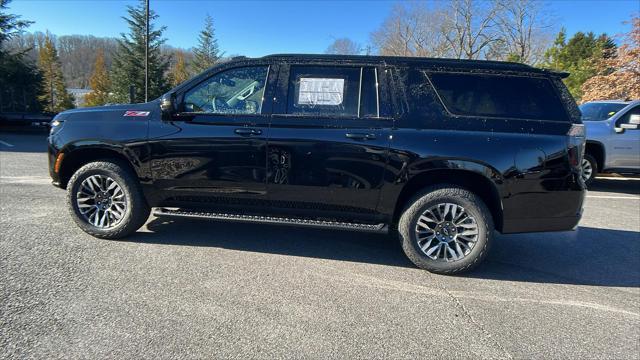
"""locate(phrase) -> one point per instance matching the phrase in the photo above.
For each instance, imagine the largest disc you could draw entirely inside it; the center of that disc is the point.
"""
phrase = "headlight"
(55, 126)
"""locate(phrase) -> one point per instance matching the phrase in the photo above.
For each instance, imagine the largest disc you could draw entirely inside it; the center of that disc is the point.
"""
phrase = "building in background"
(78, 96)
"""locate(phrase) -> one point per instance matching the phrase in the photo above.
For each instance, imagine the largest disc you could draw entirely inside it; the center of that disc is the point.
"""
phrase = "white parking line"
(24, 180)
(613, 197)
(612, 177)
(5, 143)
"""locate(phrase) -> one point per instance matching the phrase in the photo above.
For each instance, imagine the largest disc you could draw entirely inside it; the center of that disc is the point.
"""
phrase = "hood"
(111, 111)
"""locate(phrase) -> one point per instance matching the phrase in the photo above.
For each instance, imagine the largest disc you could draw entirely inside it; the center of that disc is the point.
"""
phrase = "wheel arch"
(597, 150)
(476, 182)
(78, 155)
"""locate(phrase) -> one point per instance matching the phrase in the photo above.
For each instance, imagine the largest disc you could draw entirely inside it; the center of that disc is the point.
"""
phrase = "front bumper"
(52, 154)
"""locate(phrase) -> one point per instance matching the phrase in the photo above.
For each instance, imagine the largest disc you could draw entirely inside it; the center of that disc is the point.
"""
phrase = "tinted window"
(599, 111)
(234, 91)
(499, 96)
(334, 91)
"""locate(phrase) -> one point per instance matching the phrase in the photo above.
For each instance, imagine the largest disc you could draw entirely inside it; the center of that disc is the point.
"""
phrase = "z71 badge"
(136, 113)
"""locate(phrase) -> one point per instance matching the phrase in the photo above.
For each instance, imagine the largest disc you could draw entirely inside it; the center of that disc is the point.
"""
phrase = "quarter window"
(499, 96)
(333, 91)
(234, 91)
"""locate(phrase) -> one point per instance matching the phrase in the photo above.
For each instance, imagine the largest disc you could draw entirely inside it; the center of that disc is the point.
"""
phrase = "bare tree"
(344, 46)
(525, 30)
(411, 30)
(470, 27)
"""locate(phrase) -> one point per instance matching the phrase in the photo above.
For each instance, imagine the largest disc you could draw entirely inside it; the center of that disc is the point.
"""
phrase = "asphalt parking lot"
(197, 289)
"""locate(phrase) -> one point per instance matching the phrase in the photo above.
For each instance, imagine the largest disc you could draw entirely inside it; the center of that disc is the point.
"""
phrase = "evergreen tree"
(20, 78)
(179, 73)
(207, 53)
(128, 63)
(579, 56)
(10, 24)
(54, 94)
(100, 83)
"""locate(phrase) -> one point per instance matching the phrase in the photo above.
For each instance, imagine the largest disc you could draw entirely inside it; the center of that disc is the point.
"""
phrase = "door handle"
(247, 131)
(360, 136)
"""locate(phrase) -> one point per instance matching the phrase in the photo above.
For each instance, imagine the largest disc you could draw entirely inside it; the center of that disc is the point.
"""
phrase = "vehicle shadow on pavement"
(631, 186)
(274, 239)
(589, 256)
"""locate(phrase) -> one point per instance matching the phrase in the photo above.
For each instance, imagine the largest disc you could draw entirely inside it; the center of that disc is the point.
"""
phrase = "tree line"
(37, 68)
(508, 30)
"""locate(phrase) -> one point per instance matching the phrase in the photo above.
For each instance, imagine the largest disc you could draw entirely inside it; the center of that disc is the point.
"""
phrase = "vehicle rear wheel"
(106, 201)
(446, 230)
(589, 169)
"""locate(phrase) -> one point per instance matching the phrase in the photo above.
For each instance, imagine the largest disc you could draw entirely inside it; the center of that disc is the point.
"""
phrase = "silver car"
(613, 137)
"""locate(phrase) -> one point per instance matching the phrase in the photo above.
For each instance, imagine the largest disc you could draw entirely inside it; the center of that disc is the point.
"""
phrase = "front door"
(215, 155)
(328, 142)
(625, 152)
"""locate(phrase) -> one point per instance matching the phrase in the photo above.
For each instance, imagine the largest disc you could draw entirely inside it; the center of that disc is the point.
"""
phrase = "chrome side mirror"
(633, 124)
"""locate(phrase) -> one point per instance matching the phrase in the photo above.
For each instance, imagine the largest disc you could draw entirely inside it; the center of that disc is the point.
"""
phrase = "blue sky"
(257, 28)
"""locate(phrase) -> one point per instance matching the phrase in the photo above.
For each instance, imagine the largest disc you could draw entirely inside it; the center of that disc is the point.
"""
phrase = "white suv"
(613, 137)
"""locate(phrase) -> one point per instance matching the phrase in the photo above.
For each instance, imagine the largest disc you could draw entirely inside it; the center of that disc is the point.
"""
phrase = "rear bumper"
(540, 211)
(514, 226)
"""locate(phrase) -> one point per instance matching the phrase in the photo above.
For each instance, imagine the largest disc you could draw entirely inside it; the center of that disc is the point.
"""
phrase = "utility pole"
(146, 56)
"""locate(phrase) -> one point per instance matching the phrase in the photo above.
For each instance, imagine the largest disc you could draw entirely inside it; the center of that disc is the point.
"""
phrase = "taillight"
(577, 138)
(577, 130)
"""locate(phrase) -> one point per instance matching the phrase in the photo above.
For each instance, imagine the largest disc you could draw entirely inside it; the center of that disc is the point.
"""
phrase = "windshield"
(600, 111)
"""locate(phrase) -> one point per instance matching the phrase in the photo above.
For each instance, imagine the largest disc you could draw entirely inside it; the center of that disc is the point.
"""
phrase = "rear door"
(328, 140)
(215, 153)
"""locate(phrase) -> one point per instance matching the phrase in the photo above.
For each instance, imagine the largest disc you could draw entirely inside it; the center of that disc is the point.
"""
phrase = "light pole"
(146, 55)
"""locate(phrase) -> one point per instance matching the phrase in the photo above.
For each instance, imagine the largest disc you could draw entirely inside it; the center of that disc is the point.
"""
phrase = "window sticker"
(321, 91)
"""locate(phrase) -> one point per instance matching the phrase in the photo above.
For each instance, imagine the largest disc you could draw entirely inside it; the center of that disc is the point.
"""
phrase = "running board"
(376, 228)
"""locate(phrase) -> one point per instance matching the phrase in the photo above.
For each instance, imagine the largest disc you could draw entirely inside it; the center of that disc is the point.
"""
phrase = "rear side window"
(333, 91)
(499, 96)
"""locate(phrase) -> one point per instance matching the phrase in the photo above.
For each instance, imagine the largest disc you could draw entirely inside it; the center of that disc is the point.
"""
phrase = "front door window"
(234, 91)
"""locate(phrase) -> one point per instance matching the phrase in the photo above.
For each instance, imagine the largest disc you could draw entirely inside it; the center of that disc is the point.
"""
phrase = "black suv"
(442, 151)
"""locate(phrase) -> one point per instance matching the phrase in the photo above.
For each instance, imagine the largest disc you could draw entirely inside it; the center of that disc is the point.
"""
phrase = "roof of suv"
(432, 62)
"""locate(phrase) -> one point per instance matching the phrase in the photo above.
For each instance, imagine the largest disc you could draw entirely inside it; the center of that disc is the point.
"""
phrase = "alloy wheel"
(446, 232)
(101, 201)
(587, 170)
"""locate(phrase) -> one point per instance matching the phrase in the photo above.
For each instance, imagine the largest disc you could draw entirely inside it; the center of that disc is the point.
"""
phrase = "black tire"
(439, 194)
(594, 168)
(136, 212)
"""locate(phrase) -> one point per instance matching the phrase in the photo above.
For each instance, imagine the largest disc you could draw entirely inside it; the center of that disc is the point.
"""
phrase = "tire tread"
(138, 212)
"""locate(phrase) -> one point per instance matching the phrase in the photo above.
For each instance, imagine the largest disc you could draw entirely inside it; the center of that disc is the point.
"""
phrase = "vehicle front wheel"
(589, 169)
(446, 230)
(106, 201)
